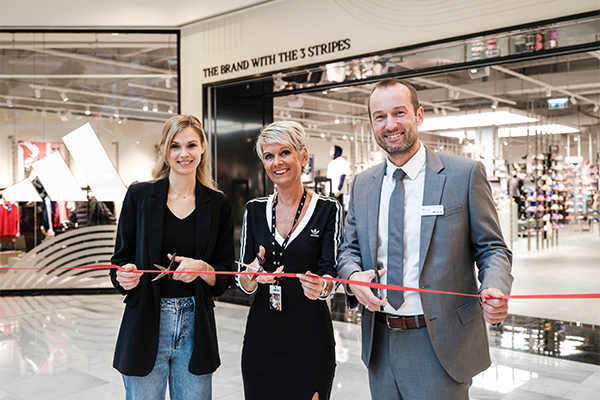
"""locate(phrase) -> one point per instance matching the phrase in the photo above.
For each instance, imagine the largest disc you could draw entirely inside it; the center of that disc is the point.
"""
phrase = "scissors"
(251, 268)
(171, 267)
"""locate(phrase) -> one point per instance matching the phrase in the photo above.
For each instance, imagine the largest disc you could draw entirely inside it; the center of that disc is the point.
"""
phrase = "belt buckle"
(404, 327)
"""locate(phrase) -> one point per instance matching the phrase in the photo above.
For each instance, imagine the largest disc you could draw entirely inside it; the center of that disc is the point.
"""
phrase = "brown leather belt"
(403, 323)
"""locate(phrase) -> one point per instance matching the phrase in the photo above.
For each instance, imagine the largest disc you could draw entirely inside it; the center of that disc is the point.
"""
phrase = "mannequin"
(337, 170)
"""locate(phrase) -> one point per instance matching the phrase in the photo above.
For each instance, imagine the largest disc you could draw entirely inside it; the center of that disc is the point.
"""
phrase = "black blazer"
(139, 241)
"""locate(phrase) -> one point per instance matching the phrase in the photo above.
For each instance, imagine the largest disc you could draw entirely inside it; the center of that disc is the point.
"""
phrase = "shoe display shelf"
(582, 200)
(544, 209)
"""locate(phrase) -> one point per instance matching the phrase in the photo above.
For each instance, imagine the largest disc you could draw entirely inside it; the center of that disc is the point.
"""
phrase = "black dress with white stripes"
(291, 353)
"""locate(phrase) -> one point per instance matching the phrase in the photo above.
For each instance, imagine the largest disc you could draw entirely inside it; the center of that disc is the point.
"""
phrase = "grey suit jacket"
(467, 234)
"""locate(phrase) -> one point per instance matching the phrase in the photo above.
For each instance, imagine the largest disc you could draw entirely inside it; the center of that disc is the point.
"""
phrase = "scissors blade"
(161, 274)
(243, 265)
(171, 267)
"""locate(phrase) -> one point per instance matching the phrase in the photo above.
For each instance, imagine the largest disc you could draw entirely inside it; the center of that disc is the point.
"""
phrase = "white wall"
(136, 141)
(370, 25)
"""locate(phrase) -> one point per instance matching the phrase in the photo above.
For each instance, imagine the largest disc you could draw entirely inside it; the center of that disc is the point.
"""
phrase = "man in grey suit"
(424, 226)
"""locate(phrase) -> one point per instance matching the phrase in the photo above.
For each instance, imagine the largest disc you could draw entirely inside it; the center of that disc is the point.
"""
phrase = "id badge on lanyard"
(275, 290)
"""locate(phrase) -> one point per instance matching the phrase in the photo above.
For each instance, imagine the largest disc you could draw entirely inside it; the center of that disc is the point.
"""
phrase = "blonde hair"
(286, 132)
(172, 127)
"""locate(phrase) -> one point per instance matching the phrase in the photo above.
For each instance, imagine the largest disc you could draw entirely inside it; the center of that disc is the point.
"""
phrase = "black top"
(180, 238)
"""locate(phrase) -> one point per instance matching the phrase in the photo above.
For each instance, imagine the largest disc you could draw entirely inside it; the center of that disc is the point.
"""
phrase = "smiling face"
(395, 123)
(185, 152)
(283, 163)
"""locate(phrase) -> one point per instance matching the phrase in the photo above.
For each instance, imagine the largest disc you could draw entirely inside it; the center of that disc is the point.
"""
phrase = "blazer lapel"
(372, 204)
(432, 195)
(155, 228)
(204, 236)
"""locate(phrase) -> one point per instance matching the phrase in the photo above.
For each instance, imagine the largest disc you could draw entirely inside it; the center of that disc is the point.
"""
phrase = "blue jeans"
(175, 346)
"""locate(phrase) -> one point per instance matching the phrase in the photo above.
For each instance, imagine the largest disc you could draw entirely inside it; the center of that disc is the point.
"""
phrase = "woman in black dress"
(289, 350)
(168, 332)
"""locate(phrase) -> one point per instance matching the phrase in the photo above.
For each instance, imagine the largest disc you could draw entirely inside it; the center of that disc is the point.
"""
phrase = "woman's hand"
(269, 279)
(191, 264)
(249, 281)
(128, 278)
(311, 284)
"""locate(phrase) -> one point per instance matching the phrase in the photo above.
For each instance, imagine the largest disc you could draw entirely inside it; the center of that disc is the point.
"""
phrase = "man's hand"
(363, 294)
(496, 309)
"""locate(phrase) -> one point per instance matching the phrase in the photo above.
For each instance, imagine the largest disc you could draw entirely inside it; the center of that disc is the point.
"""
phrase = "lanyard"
(277, 261)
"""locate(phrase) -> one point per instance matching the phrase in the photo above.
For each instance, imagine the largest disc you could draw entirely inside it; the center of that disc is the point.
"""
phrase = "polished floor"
(60, 347)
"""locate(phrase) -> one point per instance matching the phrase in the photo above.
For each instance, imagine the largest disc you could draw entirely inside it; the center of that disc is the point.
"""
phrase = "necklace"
(178, 195)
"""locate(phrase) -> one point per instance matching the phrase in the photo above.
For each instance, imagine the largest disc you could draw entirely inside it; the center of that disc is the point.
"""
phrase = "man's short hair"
(414, 97)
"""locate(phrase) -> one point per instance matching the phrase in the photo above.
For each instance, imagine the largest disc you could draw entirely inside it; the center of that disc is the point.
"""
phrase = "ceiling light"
(521, 131)
(548, 92)
(43, 113)
(351, 137)
(38, 93)
(436, 110)
(456, 122)
(9, 102)
(474, 71)
(451, 93)
(345, 137)
(62, 115)
(323, 135)
(337, 121)
(119, 121)
(64, 97)
(456, 95)
(145, 108)
(155, 108)
(573, 100)
(444, 112)
(168, 83)
(330, 106)
(324, 92)
(460, 135)
(494, 105)
(596, 108)
(87, 111)
(576, 139)
(170, 111)
(116, 114)
(296, 102)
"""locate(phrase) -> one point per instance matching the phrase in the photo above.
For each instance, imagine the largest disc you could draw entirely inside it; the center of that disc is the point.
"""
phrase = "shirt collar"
(412, 166)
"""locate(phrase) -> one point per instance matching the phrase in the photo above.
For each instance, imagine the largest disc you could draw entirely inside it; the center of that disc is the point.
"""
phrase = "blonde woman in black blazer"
(168, 331)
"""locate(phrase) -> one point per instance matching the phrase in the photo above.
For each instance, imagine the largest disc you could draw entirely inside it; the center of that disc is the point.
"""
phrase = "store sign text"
(279, 58)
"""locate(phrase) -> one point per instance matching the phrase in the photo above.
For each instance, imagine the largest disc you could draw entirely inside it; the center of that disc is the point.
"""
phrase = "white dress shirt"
(414, 184)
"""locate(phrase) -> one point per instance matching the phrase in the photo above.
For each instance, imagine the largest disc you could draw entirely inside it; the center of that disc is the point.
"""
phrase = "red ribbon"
(372, 285)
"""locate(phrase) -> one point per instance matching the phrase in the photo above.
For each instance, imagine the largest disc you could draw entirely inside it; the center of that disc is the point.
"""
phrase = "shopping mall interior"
(83, 101)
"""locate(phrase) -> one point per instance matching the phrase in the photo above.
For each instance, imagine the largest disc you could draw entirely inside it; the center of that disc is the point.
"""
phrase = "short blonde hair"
(172, 127)
(288, 133)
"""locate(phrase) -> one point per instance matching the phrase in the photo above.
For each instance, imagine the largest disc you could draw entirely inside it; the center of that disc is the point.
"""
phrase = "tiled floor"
(60, 347)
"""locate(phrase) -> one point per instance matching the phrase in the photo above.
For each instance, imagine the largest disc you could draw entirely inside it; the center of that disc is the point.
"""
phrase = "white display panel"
(94, 163)
(21, 191)
(57, 179)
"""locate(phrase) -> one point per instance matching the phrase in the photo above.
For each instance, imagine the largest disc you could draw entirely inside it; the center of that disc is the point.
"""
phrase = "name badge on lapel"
(432, 210)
